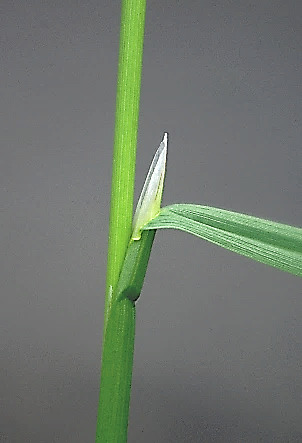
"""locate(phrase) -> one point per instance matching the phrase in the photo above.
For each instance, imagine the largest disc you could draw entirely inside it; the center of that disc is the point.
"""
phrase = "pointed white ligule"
(149, 202)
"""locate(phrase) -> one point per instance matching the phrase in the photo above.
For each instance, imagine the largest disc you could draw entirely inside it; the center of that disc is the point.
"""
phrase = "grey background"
(218, 352)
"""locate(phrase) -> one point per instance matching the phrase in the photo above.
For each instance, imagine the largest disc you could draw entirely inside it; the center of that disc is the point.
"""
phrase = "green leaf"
(269, 242)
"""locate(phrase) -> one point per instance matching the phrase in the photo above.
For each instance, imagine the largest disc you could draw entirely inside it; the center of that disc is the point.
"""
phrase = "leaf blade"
(269, 242)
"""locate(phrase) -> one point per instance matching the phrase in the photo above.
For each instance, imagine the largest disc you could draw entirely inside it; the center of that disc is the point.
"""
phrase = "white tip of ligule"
(149, 202)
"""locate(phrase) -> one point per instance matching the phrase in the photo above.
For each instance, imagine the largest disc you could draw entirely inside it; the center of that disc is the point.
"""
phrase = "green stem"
(125, 139)
(119, 317)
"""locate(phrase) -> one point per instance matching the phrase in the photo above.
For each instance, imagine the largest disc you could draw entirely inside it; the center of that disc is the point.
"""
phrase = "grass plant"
(130, 243)
(119, 317)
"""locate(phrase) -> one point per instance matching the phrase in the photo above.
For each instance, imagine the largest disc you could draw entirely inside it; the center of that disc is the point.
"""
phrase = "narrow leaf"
(269, 242)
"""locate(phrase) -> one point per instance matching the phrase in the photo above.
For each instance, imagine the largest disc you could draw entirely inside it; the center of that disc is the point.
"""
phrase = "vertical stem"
(125, 138)
(119, 318)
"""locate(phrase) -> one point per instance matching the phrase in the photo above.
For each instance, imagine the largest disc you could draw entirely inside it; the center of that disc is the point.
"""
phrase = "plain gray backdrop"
(218, 354)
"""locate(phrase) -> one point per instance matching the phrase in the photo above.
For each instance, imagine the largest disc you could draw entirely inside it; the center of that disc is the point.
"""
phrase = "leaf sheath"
(117, 361)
